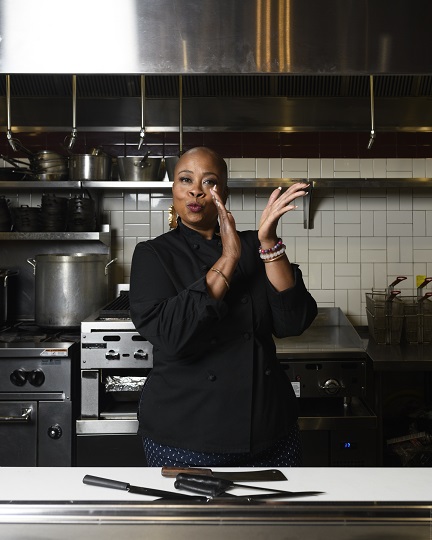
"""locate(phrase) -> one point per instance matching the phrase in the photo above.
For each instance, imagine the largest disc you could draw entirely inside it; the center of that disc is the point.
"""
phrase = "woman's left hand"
(278, 204)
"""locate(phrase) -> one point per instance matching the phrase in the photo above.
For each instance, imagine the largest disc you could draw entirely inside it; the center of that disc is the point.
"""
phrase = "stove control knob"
(55, 431)
(36, 377)
(140, 355)
(112, 355)
(18, 377)
(331, 386)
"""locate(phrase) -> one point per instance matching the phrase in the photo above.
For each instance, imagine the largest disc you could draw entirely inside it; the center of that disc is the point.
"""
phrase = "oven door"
(18, 433)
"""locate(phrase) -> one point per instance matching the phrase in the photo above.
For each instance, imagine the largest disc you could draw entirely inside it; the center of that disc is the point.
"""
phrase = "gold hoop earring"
(172, 217)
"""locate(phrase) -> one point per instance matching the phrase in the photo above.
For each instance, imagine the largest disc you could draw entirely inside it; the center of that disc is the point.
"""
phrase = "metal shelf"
(40, 184)
(104, 236)
(241, 183)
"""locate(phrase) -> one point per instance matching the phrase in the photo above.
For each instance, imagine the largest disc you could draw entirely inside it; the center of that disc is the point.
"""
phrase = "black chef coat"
(216, 385)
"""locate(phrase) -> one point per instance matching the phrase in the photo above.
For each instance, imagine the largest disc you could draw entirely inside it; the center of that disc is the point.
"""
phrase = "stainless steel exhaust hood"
(257, 65)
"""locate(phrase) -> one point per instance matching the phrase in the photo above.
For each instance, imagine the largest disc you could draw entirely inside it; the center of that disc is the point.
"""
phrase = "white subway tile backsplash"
(366, 168)
(406, 249)
(399, 217)
(342, 216)
(400, 165)
(327, 168)
(399, 229)
(294, 167)
(341, 250)
(315, 275)
(393, 251)
(242, 164)
(321, 256)
(360, 240)
(366, 224)
(314, 168)
(328, 275)
(380, 223)
(347, 229)
(262, 168)
(136, 229)
(429, 224)
(348, 165)
(136, 217)
(113, 203)
(130, 201)
(419, 168)
(380, 168)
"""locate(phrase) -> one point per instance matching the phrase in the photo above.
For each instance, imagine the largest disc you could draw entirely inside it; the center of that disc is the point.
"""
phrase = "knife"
(124, 486)
(217, 487)
(266, 475)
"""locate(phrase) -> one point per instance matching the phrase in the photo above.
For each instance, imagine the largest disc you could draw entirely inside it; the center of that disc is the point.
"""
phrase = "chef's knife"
(217, 487)
(266, 475)
(124, 486)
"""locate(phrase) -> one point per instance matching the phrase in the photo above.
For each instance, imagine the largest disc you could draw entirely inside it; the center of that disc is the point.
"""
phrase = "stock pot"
(69, 288)
(90, 167)
(140, 169)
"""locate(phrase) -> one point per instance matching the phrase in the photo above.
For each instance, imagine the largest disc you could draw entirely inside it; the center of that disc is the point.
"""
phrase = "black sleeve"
(167, 315)
(294, 309)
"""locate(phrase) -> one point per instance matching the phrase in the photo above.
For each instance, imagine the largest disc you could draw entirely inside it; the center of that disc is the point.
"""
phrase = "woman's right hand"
(231, 244)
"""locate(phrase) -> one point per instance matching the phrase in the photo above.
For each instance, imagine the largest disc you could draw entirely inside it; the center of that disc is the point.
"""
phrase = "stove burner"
(29, 332)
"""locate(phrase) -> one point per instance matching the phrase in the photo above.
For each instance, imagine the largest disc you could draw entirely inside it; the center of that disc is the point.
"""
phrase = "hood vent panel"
(238, 86)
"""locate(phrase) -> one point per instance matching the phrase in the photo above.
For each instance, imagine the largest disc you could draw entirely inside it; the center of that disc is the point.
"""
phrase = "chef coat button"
(246, 336)
(212, 377)
(267, 371)
(219, 243)
(244, 300)
(195, 246)
(204, 268)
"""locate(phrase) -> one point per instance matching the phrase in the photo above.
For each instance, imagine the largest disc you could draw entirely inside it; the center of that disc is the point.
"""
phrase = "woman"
(209, 299)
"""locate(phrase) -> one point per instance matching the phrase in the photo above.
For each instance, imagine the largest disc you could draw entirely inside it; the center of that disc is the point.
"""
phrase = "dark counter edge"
(401, 357)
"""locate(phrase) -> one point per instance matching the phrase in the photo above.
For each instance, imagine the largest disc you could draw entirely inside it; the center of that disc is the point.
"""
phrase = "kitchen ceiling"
(261, 65)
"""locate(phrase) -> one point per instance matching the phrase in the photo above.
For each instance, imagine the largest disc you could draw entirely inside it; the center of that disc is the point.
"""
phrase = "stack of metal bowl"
(48, 165)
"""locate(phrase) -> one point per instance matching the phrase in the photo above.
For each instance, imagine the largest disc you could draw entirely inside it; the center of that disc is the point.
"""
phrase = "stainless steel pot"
(69, 288)
(140, 169)
(90, 167)
(5, 275)
(170, 163)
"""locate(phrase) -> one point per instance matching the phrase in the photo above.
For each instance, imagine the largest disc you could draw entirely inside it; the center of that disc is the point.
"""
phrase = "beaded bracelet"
(269, 257)
(273, 249)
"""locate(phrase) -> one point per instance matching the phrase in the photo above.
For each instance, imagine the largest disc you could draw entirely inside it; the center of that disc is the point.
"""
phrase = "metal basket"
(378, 306)
(417, 320)
(385, 329)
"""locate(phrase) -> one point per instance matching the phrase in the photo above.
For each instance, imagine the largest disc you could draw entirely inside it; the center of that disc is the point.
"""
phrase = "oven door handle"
(24, 418)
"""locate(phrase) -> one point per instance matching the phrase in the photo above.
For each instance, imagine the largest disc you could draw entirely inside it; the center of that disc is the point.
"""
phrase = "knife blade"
(215, 487)
(266, 475)
(124, 486)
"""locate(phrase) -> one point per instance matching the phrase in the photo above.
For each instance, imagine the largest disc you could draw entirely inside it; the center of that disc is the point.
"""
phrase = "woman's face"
(196, 173)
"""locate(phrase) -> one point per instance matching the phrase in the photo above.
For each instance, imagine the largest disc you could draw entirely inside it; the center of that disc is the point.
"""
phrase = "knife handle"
(105, 482)
(172, 472)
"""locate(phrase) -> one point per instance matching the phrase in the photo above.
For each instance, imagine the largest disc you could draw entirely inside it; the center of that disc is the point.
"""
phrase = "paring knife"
(124, 486)
(266, 475)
